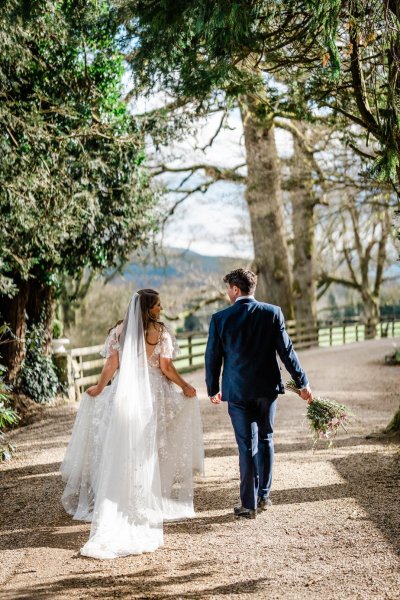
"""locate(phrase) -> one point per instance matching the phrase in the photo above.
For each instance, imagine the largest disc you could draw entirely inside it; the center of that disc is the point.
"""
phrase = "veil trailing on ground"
(127, 515)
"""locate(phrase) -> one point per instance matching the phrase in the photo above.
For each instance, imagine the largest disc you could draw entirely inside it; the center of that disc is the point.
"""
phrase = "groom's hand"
(216, 399)
(306, 394)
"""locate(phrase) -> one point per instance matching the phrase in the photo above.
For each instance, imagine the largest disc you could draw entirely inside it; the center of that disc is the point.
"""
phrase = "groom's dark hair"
(244, 279)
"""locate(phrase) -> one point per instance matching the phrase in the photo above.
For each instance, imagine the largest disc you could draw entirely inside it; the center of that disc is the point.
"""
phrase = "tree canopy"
(343, 57)
(73, 193)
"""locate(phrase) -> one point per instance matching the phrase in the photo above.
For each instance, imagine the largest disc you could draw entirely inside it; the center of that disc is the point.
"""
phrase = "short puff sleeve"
(168, 345)
(111, 345)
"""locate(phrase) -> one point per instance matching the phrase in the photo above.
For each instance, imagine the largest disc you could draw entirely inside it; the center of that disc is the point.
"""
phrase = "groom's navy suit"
(245, 338)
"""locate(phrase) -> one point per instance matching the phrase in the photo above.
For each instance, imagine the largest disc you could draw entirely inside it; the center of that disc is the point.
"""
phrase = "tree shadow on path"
(32, 515)
(373, 479)
(144, 584)
(288, 447)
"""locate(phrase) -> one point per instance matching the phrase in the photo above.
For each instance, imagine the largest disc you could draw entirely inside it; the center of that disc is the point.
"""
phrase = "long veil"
(127, 516)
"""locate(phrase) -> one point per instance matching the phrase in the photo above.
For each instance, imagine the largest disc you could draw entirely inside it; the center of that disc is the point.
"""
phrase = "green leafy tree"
(343, 57)
(241, 52)
(73, 195)
(340, 56)
(192, 323)
(8, 416)
(204, 64)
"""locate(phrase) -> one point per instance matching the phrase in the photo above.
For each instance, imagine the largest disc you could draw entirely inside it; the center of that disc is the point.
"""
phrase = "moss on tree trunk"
(303, 203)
(33, 303)
(13, 314)
(264, 199)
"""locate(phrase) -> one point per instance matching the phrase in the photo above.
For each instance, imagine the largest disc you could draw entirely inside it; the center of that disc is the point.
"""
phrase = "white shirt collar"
(245, 297)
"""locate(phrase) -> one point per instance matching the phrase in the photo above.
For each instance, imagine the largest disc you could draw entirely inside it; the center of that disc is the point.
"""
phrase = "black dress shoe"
(245, 513)
(263, 503)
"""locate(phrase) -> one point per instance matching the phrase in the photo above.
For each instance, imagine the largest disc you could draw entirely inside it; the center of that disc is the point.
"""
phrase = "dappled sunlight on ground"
(332, 532)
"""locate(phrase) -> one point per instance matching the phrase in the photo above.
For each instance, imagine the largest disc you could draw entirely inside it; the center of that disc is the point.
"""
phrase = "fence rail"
(85, 364)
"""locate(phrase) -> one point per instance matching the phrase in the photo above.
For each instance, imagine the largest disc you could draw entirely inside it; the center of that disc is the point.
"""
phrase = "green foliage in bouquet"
(325, 416)
(38, 378)
(8, 417)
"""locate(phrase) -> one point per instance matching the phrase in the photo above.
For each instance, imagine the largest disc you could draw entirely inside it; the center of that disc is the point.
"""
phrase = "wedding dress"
(133, 450)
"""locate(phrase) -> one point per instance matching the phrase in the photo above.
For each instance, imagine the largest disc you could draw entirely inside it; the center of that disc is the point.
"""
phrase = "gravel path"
(332, 532)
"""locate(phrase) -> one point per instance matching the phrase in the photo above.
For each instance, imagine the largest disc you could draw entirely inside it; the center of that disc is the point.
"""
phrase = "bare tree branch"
(214, 136)
(307, 150)
(193, 309)
(381, 255)
(359, 83)
(350, 116)
(325, 278)
(217, 173)
(170, 107)
(347, 256)
(361, 152)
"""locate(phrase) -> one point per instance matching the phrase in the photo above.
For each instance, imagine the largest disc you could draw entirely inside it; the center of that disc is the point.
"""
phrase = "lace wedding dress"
(134, 449)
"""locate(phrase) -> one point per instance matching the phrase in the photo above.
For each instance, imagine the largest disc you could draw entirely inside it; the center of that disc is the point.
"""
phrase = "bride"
(136, 443)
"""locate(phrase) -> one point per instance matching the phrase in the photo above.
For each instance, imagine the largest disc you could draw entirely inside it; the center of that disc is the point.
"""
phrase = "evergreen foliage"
(198, 47)
(192, 323)
(38, 377)
(74, 197)
(8, 416)
(73, 194)
(343, 57)
(57, 329)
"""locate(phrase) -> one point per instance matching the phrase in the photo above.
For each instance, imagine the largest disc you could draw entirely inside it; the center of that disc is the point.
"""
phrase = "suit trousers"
(253, 424)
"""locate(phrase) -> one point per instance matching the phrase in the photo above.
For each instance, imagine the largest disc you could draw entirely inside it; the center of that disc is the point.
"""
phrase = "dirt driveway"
(332, 532)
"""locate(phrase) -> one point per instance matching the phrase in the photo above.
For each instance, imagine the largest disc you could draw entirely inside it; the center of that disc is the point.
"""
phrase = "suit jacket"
(245, 338)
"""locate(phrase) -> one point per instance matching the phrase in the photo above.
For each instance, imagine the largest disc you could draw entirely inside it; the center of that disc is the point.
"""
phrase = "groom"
(245, 338)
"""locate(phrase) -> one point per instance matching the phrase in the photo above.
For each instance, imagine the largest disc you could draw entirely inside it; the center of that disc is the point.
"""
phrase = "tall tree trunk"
(264, 199)
(394, 84)
(33, 303)
(73, 291)
(12, 313)
(370, 313)
(40, 308)
(303, 203)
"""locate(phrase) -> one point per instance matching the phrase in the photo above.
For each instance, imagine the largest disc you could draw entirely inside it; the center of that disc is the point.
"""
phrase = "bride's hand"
(94, 390)
(189, 390)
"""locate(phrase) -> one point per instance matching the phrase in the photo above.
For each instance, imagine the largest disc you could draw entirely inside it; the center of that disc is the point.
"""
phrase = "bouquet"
(325, 416)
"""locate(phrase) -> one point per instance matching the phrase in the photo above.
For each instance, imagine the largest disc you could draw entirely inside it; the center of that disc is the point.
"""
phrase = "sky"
(214, 223)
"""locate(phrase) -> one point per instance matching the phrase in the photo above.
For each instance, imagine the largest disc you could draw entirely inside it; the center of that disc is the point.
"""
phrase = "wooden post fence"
(85, 364)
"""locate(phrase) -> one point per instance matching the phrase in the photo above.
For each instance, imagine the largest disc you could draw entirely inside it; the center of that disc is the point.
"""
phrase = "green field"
(354, 333)
(182, 361)
(334, 336)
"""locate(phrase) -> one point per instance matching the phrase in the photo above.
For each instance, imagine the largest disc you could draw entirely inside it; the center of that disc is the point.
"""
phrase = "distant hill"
(176, 263)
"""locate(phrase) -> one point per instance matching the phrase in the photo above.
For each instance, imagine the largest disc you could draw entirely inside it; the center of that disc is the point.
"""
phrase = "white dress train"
(128, 488)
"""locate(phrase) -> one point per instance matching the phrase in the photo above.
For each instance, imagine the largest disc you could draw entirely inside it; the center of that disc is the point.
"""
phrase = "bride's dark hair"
(148, 299)
(115, 325)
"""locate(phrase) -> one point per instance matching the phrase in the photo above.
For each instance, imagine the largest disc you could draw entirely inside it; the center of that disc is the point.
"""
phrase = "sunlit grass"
(334, 336)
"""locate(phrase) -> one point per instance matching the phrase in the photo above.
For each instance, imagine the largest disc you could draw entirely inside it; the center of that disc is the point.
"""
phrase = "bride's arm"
(170, 372)
(110, 366)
